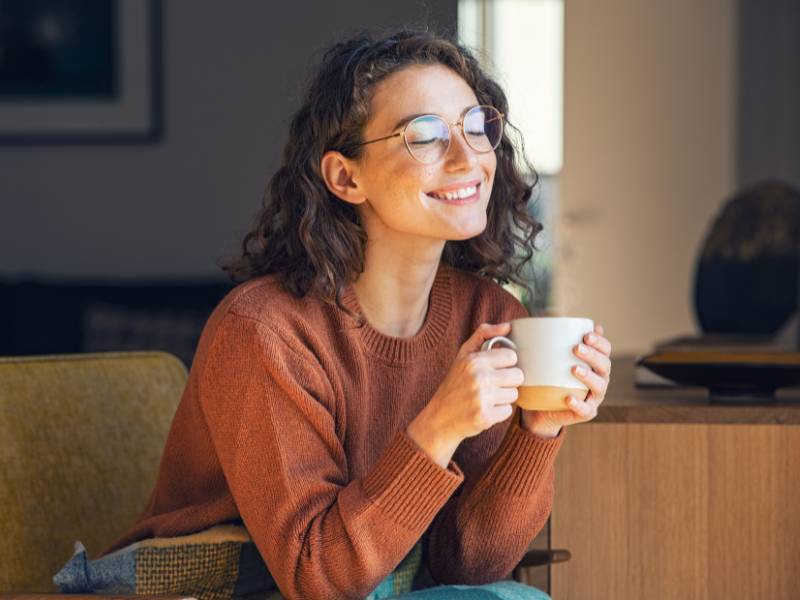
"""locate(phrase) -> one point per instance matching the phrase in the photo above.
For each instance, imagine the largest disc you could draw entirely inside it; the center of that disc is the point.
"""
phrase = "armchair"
(82, 436)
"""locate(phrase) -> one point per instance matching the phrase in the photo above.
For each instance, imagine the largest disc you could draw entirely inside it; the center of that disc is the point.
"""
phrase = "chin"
(467, 233)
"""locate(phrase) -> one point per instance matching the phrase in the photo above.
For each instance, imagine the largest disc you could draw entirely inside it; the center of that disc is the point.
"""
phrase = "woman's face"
(404, 196)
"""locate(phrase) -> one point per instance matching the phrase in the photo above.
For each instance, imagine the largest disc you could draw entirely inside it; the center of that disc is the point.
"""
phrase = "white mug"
(544, 347)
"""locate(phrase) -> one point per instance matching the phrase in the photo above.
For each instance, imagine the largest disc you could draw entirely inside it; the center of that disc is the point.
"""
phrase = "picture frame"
(116, 99)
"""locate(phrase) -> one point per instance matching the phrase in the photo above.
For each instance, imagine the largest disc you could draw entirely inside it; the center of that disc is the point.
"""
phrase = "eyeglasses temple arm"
(386, 137)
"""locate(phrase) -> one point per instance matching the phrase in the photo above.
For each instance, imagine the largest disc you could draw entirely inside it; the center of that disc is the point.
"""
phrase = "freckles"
(428, 171)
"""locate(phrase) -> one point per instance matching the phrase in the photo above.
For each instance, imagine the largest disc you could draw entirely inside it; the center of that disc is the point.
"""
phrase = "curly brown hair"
(316, 242)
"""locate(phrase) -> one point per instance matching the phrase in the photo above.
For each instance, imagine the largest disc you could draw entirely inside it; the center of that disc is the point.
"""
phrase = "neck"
(394, 289)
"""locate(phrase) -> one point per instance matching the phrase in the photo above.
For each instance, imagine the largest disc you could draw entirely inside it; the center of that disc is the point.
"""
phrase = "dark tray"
(731, 377)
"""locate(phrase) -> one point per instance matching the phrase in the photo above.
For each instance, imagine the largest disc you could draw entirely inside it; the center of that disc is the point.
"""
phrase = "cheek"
(428, 172)
(491, 171)
(412, 178)
(420, 176)
(490, 165)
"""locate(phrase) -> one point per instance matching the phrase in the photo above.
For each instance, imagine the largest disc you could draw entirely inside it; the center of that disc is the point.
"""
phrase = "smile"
(463, 195)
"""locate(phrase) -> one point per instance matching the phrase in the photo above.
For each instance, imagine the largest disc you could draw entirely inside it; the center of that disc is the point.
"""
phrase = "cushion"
(215, 564)
(219, 563)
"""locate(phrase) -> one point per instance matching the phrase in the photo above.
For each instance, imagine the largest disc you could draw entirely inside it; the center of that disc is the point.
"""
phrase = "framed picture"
(80, 71)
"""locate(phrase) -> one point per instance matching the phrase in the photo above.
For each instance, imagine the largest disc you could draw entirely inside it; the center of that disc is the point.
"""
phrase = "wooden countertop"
(626, 403)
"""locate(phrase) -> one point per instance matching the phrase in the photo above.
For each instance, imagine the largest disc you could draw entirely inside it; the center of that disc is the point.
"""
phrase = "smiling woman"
(339, 406)
(364, 93)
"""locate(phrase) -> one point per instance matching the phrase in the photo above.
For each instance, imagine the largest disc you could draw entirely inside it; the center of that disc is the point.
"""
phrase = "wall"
(649, 156)
(233, 76)
(769, 91)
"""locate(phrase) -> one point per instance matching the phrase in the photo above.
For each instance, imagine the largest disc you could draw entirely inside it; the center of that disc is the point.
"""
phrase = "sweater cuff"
(523, 461)
(408, 485)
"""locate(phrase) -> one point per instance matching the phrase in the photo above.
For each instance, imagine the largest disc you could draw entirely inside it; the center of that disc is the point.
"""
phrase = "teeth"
(456, 194)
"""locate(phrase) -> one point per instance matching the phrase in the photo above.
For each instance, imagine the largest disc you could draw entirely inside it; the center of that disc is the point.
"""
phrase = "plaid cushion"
(216, 564)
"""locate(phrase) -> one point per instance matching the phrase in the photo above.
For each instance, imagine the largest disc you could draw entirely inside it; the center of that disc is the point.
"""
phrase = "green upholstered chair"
(81, 437)
(80, 441)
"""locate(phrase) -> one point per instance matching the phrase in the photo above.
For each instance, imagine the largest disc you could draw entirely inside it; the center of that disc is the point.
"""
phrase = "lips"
(457, 193)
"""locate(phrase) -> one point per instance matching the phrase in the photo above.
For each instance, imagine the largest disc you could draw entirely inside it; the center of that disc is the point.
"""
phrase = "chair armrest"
(536, 558)
(31, 596)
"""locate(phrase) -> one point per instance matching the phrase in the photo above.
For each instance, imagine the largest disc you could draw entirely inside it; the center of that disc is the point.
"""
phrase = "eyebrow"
(408, 118)
(405, 120)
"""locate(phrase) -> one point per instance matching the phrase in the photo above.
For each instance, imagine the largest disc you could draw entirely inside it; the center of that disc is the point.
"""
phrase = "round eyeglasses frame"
(460, 124)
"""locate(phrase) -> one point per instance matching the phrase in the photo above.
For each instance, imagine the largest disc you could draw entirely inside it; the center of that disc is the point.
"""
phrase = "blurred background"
(136, 138)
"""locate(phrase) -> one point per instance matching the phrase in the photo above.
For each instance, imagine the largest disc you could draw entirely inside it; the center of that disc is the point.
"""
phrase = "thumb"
(484, 332)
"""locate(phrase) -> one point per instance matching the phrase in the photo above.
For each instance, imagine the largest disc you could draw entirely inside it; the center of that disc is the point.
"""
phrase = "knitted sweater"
(293, 420)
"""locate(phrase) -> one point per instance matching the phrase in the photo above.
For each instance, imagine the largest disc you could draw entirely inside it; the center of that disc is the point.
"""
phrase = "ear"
(338, 173)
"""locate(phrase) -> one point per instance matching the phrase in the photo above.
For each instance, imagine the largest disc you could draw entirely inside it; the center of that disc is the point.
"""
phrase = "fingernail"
(591, 339)
(580, 370)
(581, 349)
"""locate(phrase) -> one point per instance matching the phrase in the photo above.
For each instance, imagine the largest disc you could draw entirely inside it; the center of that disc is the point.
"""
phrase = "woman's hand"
(598, 356)
(478, 391)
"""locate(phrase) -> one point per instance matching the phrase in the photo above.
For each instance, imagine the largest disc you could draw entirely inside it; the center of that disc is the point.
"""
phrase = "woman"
(339, 403)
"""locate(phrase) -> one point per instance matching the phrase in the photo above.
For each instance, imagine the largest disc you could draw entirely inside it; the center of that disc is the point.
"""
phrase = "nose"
(460, 155)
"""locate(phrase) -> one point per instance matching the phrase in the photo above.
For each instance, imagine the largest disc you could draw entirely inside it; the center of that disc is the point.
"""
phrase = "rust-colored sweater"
(294, 418)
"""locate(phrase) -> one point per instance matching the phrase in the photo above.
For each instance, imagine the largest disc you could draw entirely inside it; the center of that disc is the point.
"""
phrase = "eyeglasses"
(427, 137)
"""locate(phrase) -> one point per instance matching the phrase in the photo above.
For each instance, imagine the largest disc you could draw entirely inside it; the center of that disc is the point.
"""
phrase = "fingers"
(596, 340)
(601, 363)
(498, 358)
(499, 407)
(505, 395)
(512, 377)
(596, 384)
(582, 410)
(501, 412)
(484, 332)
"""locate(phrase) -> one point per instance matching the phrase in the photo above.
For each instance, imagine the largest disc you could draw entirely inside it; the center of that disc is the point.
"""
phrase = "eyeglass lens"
(428, 137)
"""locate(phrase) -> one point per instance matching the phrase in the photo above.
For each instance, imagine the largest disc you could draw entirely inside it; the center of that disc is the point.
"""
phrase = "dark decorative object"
(746, 280)
(77, 71)
(746, 293)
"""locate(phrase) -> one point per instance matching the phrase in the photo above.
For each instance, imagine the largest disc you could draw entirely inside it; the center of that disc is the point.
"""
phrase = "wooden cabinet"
(664, 496)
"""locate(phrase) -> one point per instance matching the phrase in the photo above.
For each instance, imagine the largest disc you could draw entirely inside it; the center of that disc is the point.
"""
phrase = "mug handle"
(489, 344)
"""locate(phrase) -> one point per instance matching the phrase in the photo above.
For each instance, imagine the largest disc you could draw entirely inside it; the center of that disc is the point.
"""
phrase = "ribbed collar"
(404, 350)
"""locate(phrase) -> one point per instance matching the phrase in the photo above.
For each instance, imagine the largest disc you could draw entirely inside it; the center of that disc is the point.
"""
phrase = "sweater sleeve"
(271, 412)
(484, 531)
(486, 528)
